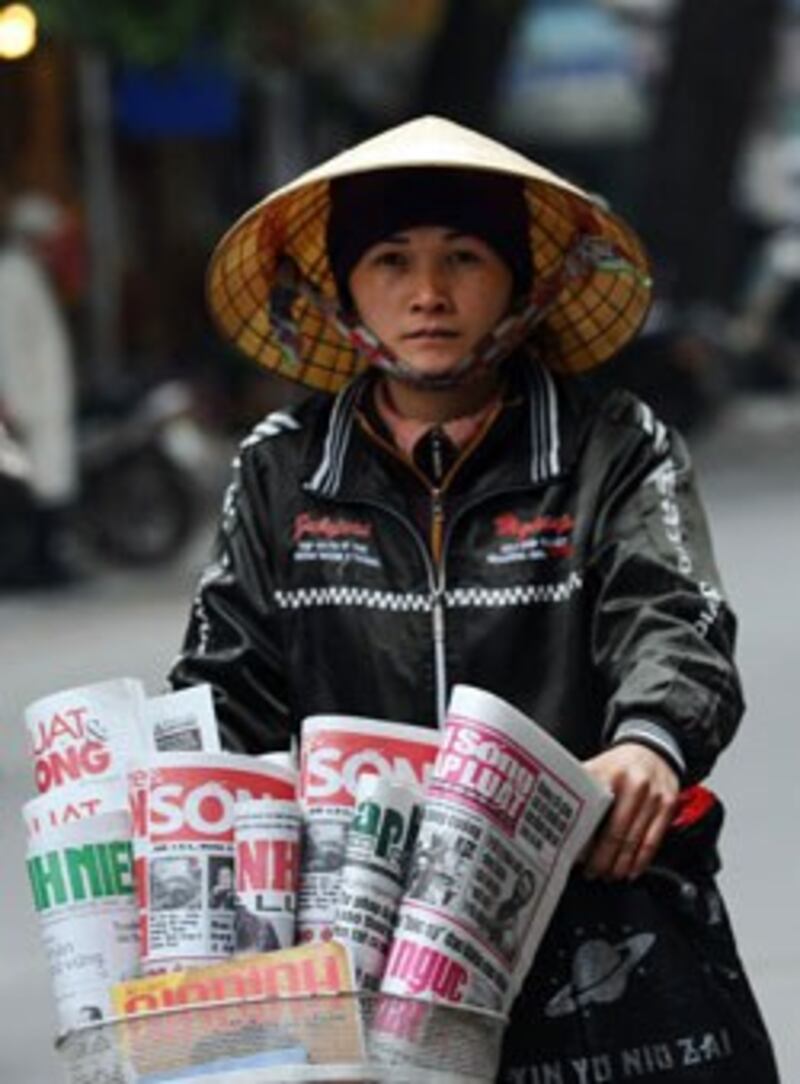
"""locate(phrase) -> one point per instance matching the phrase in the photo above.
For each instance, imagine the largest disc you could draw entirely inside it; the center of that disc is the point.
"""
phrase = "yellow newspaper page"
(295, 1004)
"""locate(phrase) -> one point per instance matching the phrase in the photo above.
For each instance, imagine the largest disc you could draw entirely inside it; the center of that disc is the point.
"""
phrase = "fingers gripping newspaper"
(507, 813)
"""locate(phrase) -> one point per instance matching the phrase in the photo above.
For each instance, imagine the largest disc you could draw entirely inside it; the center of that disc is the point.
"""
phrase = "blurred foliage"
(142, 31)
(155, 33)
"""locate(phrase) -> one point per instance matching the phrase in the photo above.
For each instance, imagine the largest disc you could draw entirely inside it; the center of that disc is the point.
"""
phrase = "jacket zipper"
(468, 506)
(437, 601)
(436, 588)
(437, 525)
(433, 560)
(436, 577)
(434, 567)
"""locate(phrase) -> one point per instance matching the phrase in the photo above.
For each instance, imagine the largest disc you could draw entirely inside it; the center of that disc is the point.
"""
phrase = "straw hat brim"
(594, 313)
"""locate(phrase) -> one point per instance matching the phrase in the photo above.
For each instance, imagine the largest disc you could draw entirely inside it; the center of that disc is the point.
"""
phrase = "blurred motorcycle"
(140, 460)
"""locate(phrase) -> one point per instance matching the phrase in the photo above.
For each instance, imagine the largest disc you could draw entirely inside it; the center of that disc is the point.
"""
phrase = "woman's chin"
(432, 364)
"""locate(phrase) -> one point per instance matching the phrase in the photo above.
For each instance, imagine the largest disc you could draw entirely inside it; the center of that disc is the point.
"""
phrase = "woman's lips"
(433, 333)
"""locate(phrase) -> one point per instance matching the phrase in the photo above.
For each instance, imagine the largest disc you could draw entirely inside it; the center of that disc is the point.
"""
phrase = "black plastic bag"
(641, 981)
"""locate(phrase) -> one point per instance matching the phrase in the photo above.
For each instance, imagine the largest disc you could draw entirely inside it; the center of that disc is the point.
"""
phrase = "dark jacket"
(568, 569)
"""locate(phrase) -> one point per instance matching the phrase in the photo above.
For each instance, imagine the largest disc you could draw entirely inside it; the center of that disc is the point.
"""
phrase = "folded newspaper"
(81, 877)
(183, 807)
(291, 1006)
(507, 813)
(336, 752)
(82, 741)
(80, 860)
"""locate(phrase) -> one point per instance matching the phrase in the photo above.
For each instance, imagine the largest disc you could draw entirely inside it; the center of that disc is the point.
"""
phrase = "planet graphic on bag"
(600, 973)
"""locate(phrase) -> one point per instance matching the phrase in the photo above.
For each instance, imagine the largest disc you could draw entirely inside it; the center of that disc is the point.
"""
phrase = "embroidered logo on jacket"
(537, 539)
(329, 539)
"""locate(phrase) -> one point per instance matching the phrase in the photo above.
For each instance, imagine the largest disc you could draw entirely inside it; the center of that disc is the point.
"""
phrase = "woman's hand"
(645, 789)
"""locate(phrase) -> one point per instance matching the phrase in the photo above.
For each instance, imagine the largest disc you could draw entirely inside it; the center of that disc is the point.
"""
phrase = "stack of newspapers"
(236, 912)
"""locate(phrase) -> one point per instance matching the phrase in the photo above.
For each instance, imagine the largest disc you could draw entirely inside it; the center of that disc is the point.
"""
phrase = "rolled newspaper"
(183, 816)
(266, 837)
(379, 843)
(336, 751)
(65, 805)
(85, 735)
(285, 759)
(507, 812)
(82, 879)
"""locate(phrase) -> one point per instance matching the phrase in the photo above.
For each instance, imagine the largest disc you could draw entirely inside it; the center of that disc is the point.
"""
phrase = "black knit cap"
(369, 207)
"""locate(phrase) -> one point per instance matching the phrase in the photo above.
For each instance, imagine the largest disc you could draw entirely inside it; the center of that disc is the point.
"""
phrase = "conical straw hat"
(588, 264)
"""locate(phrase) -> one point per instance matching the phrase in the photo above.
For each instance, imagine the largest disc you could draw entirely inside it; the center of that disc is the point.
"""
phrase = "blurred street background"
(130, 138)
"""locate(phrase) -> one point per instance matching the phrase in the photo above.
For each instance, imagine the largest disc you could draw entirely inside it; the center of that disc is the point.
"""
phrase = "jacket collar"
(544, 426)
(541, 402)
(326, 481)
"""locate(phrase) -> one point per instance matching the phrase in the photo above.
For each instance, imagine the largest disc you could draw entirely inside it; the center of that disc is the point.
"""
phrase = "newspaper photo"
(85, 735)
(266, 835)
(379, 843)
(335, 752)
(183, 807)
(82, 880)
(182, 721)
(507, 812)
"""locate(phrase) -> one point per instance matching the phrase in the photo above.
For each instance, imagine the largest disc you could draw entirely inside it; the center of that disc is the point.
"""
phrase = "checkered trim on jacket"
(525, 594)
(461, 597)
(364, 598)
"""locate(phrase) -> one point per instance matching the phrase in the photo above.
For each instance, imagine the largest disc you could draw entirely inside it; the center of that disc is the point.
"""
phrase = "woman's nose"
(430, 289)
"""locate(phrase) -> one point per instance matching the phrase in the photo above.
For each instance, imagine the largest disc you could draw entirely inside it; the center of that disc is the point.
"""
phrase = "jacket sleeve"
(663, 634)
(234, 640)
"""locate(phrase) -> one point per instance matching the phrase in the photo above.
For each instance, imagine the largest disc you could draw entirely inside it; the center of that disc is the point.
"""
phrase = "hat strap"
(586, 253)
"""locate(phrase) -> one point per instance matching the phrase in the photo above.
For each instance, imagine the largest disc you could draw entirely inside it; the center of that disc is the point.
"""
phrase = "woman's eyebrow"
(394, 239)
(462, 236)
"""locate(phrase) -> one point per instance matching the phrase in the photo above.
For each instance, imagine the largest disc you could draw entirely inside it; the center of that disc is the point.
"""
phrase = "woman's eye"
(390, 258)
(465, 256)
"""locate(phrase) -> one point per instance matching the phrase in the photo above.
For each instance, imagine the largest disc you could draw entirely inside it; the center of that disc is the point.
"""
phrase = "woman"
(457, 511)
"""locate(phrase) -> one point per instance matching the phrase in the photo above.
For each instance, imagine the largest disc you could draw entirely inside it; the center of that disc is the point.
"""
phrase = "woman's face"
(430, 294)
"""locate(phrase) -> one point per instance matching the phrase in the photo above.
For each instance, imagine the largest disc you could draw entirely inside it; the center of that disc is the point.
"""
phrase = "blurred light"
(17, 31)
